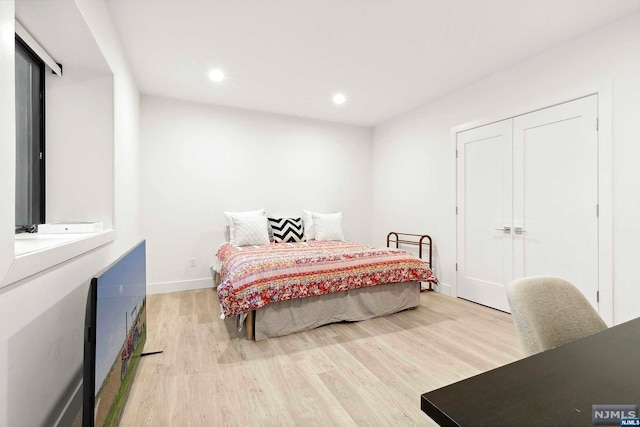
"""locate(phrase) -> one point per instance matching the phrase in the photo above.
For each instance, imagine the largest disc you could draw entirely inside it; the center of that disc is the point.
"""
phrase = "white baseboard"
(184, 285)
(443, 288)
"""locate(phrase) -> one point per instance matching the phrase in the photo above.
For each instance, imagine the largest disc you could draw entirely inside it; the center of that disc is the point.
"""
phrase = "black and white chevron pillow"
(287, 230)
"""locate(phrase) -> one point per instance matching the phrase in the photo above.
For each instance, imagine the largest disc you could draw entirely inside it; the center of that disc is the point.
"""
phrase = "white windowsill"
(38, 252)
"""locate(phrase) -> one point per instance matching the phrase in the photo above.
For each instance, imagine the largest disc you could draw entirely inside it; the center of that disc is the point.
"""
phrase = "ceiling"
(387, 56)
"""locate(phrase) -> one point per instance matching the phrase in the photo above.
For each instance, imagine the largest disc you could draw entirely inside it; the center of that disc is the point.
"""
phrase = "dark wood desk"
(552, 388)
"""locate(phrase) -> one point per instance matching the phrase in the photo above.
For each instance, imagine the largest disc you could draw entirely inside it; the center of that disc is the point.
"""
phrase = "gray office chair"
(549, 312)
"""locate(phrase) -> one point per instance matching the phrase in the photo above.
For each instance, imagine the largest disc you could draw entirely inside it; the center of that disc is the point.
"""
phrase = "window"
(30, 200)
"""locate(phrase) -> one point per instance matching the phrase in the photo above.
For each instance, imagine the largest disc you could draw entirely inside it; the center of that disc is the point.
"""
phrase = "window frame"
(24, 47)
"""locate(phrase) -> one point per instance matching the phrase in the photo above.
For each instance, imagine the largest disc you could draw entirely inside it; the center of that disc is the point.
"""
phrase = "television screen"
(116, 325)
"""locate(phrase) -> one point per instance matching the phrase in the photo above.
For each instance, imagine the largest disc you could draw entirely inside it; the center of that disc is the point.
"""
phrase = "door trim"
(605, 187)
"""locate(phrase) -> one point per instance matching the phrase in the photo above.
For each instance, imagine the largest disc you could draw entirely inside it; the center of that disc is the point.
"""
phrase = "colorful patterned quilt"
(254, 276)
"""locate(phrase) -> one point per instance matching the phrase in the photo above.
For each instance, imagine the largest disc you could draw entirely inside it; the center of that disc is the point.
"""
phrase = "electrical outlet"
(192, 262)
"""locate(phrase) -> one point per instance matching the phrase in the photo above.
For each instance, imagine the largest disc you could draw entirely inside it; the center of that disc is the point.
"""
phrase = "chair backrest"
(549, 312)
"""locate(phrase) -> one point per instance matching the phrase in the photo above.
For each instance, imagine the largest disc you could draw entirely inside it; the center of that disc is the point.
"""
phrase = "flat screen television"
(115, 333)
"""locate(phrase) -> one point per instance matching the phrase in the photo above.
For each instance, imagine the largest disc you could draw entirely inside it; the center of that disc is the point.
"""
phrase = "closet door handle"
(504, 229)
(518, 230)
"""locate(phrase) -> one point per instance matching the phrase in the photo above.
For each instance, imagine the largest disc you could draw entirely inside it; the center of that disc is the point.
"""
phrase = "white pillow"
(309, 229)
(250, 230)
(328, 226)
(231, 215)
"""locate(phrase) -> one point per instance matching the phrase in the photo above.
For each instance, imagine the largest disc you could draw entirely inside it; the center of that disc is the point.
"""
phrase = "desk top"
(553, 388)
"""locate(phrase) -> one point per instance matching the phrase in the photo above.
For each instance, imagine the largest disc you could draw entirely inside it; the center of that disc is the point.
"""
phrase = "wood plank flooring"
(368, 373)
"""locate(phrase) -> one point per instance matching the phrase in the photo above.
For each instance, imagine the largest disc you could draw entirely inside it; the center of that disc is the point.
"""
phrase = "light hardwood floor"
(368, 373)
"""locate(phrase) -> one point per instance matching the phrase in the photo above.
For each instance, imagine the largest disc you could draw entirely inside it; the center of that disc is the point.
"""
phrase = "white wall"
(199, 161)
(422, 197)
(41, 337)
(79, 149)
(7, 138)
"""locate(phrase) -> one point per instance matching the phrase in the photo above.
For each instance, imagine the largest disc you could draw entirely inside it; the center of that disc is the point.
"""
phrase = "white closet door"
(555, 154)
(485, 252)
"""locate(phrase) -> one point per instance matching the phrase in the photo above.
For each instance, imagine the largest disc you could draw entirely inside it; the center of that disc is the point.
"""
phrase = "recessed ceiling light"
(216, 75)
(339, 99)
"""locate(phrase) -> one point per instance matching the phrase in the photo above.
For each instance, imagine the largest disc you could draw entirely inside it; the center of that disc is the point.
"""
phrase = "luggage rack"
(420, 240)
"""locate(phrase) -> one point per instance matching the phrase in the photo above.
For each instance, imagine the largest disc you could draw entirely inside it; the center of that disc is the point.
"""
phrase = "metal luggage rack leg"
(424, 240)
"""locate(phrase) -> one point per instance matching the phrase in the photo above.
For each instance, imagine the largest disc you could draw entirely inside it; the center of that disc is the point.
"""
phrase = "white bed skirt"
(296, 315)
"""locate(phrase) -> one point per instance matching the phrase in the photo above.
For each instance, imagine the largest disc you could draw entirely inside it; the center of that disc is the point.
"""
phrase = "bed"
(277, 289)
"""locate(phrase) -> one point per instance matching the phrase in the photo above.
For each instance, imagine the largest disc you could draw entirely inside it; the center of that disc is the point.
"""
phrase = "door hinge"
(456, 153)
(597, 124)
(597, 210)
(456, 210)
(41, 155)
(597, 296)
(456, 266)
